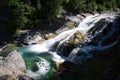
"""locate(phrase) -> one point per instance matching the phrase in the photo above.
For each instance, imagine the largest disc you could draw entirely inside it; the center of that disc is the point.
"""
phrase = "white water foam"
(84, 26)
(44, 67)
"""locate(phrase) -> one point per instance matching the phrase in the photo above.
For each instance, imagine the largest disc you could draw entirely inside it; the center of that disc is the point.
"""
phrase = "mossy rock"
(77, 39)
(8, 49)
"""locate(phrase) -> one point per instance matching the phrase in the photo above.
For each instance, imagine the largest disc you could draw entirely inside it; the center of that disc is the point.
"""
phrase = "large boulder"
(78, 38)
(12, 66)
(74, 41)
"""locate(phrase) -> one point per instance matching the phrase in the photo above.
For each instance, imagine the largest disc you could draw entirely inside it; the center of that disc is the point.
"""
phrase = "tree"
(75, 6)
(31, 14)
(49, 9)
(19, 12)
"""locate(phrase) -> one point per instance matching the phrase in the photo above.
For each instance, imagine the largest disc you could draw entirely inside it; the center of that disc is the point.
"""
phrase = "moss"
(41, 41)
(76, 40)
(51, 36)
(7, 50)
(23, 70)
(48, 37)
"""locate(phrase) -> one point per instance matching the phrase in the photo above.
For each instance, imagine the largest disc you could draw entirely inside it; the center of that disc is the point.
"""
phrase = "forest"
(31, 14)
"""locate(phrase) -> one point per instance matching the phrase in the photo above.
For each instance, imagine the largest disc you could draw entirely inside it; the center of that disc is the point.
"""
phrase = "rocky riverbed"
(12, 65)
(103, 62)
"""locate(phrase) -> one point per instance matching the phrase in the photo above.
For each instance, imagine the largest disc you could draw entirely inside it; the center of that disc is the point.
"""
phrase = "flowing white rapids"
(44, 67)
(62, 37)
(84, 26)
(92, 26)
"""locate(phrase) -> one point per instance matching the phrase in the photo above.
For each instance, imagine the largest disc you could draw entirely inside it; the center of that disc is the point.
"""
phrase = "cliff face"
(12, 67)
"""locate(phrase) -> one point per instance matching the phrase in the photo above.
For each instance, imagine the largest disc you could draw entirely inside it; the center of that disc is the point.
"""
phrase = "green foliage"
(36, 13)
(19, 12)
(75, 5)
(51, 7)
(8, 49)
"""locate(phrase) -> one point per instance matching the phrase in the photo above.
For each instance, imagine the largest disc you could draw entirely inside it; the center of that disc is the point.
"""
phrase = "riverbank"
(26, 37)
(65, 22)
(103, 39)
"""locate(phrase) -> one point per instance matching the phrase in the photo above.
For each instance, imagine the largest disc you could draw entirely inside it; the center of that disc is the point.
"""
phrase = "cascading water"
(96, 29)
(96, 34)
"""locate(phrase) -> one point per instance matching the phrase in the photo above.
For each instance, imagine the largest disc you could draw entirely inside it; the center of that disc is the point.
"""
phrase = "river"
(42, 59)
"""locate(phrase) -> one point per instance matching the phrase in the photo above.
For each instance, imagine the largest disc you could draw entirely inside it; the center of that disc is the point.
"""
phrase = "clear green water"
(31, 59)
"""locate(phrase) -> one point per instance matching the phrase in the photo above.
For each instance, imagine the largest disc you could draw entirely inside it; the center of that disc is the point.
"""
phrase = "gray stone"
(12, 66)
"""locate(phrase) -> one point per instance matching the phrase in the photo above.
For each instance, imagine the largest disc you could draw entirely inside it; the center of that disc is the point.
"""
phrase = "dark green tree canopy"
(28, 14)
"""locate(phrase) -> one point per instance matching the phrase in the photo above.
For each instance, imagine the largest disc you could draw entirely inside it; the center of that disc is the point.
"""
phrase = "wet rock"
(3, 47)
(75, 19)
(77, 39)
(97, 27)
(66, 26)
(105, 62)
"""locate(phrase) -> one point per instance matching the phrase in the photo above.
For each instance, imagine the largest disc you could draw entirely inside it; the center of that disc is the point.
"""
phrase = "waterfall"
(95, 30)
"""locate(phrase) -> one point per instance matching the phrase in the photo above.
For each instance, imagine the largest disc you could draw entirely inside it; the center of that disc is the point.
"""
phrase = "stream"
(42, 59)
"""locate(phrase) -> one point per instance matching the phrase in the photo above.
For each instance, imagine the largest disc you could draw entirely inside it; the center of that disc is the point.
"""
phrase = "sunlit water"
(41, 58)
